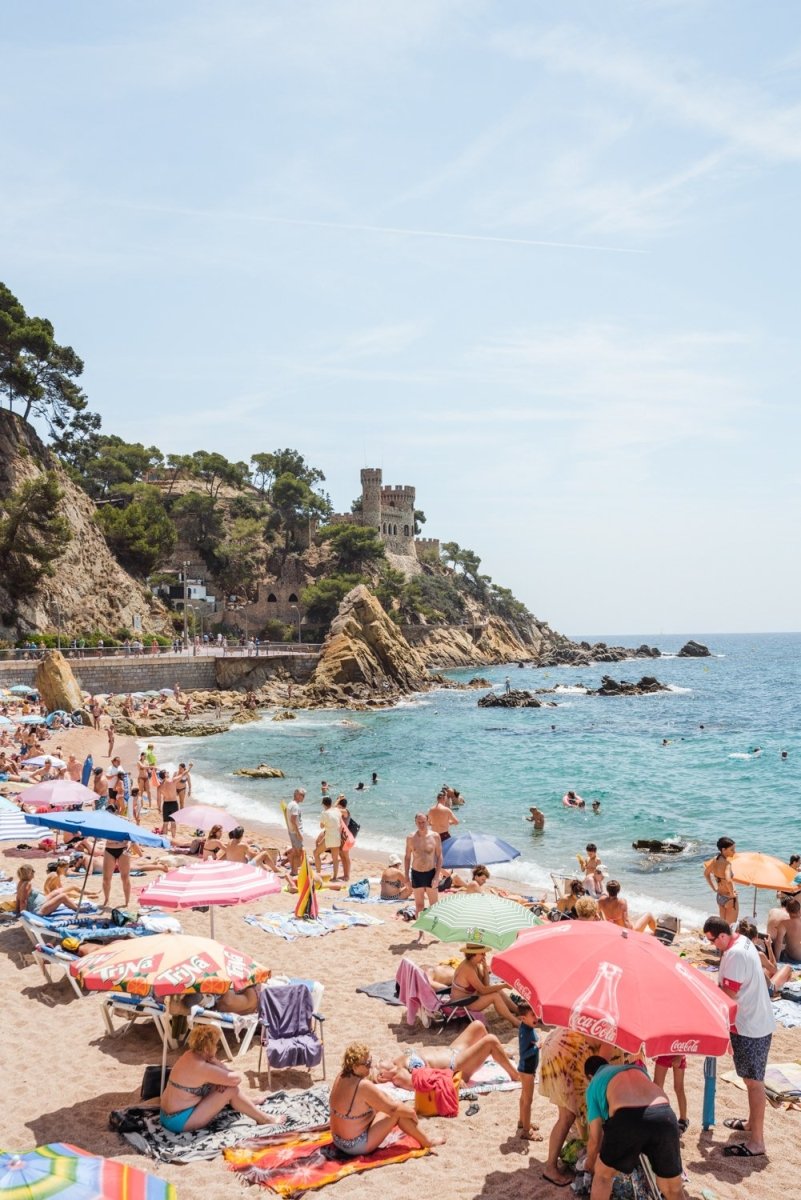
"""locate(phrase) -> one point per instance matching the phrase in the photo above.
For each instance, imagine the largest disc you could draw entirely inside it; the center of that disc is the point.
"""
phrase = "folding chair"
(136, 1008)
(291, 1032)
(240, 1028)
(433, 1005)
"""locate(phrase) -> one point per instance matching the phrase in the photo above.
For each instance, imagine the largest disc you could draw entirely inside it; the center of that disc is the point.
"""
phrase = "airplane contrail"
(389, 229)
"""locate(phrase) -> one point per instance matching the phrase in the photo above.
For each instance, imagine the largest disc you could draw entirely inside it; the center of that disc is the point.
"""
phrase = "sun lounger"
(235, 1025)
(131, 1009)
(55, 963)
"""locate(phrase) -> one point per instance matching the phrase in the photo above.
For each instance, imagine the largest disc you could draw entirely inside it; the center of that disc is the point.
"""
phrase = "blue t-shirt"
(527, 1044)
(597, 1103)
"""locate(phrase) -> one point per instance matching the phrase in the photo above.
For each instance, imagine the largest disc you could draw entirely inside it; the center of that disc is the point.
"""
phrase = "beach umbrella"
(22, 689)
(762, 871)
(169, 964)
(205, 817)
(41, 759)
(59, 793)
(617, 986)
(13, 826)
(30, 720)
(86, 770)
(306, 905)
(212, 884)
(470, 849)
(486, 920)
(98, 825)
(67, 1172)
(5, 721)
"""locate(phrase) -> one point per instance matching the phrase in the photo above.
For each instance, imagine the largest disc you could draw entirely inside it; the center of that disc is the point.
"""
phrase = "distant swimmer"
(537, 818)
(756, 750)
(596, 807)
(360, 786)
(784, 755)
(665, 742)
(571, 800)
(374, 778)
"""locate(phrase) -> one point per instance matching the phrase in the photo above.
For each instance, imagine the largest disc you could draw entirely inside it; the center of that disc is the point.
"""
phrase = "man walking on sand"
(294, 824)
(423, 863)
(741, 977)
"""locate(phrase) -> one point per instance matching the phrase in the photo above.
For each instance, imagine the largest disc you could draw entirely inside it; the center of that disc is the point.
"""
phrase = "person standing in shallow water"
(719, 875)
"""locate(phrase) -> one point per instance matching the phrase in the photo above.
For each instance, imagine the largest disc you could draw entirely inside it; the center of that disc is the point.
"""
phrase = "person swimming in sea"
(571, 800)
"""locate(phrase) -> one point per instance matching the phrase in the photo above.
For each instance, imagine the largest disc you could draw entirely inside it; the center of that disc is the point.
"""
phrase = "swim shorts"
(652, 1131)
(169, 809)
(422, 879)
(529, 1064)
(671, 1060)
(750, 1055)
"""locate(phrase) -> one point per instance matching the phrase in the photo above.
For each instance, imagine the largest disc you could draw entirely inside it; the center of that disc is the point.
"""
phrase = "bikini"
(356, 1145)
(176, 1121)
(415, 1062)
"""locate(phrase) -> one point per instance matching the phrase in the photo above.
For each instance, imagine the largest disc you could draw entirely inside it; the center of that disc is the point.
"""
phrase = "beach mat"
(382, 991)
(488, 1078)
(304, 1111)
(291, 928)
(293, 1165)
(782, 1080)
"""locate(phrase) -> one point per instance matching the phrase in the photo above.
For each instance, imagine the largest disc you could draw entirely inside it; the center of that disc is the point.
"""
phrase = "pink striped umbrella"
(210, 883)
(58, 793)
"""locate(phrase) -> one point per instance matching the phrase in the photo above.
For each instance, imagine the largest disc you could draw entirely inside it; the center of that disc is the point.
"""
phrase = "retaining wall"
(137, 674)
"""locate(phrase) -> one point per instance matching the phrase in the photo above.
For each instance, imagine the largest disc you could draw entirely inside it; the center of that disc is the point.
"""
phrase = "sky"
(538, 260)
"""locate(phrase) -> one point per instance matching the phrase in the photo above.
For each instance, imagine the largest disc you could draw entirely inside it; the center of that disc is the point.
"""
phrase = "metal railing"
(148, 653)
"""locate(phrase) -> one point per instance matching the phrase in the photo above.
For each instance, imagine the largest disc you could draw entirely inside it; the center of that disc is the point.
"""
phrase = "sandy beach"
(63, 1074)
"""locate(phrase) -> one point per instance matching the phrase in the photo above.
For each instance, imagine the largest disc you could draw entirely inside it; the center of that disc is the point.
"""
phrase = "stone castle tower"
(390, 510)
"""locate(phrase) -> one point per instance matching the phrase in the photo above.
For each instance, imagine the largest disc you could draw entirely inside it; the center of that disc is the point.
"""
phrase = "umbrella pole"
(86, 875)
(167, 1028)
(211, 919)
(755, 895)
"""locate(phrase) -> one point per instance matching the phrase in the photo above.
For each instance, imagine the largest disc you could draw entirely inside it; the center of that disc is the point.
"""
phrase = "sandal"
(740, 1150)
(684, 1124)
(565, 1181)
(738, 1123)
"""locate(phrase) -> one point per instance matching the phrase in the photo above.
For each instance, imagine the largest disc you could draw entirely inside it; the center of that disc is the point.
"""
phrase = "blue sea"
(705, 783)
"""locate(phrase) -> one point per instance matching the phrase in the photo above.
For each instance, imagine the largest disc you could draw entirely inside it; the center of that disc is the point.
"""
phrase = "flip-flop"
(565, 1182)
(740, 1150)
(472, 1110)
(738, 1123)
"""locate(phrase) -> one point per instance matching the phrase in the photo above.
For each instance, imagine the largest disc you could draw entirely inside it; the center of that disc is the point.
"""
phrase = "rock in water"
(517, 698)
(621, 687)
(56, 683)
(693, 649)
(364, 649)
(262, 771)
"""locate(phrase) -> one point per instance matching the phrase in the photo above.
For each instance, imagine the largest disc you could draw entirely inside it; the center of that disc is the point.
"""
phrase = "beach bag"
(120, 917)
(151, 1082)
(353, 826)
(360, 890)
(425, 1103)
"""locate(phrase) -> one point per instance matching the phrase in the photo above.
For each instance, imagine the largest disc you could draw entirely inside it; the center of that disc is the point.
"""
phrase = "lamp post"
(186, 626)
(297, 613)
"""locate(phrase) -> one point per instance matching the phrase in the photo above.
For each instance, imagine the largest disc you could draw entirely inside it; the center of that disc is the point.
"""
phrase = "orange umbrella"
(763, 871)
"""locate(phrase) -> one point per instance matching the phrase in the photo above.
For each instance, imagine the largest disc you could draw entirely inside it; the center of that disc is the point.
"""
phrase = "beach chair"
(240, 1028)
(433, 1005)
(561, 885)
(55, 963)
(291, 1032)
(667, 929)
(131, 1009)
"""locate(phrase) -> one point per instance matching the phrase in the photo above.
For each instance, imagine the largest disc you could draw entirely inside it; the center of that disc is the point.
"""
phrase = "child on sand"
(529, 1051)
(679, 1064)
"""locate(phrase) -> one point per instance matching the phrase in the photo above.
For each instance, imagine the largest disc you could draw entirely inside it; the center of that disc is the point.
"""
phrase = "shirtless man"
(718, 874)
(440, 818)
(615, 910)
(73, 769)
(537, 818)
(784, 931)
(168, 801)
(423, 863)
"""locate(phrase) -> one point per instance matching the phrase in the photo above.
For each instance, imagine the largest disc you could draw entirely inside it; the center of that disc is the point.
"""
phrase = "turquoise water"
(704, 784)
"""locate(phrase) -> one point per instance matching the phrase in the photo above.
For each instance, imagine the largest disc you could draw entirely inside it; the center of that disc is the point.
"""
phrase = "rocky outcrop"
(515, 699)
(693, 649)
(620, 687)
(365, 653)
(89, 589)
(56, 684)
(565, 653)
(284, 715)
(262, 771)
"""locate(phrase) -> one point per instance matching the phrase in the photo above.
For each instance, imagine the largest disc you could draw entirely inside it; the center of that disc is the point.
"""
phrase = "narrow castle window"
(406, 530)
(292, 598)
(394, 529)
(271, 599)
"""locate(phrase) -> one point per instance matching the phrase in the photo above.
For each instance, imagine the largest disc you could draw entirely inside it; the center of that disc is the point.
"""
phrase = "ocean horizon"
(705, 783)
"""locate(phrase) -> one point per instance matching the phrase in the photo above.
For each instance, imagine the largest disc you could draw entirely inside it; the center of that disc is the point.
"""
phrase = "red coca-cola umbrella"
(617, 986)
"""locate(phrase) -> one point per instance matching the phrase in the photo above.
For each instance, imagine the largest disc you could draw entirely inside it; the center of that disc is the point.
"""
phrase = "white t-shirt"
(331, 826)
(741, 970)
(293, 814)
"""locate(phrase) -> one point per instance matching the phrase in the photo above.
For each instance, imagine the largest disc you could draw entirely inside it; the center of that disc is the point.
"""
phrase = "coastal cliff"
(88, 589)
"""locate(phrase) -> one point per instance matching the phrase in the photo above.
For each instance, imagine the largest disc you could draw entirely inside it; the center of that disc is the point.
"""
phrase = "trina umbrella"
(470, 849)
(58, 793)
(169, 964)
(211, 883)
(205, 817)
(487, 920)
(617, 986)
(61, 1170)
(762, 871)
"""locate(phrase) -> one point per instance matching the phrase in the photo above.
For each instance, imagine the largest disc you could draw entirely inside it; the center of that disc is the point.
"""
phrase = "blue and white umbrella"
(30, 720)
(13, 826)
(470, 849)
(22, 689)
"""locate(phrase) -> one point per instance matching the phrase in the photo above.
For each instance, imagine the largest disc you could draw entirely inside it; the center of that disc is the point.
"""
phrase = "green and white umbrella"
(485, 920)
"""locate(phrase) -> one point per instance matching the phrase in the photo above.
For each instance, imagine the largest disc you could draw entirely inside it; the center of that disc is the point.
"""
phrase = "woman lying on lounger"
(199, 1087)
(466, 1054)
(362, 1115)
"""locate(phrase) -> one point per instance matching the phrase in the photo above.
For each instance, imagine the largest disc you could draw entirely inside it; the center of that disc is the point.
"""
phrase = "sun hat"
(472, 948)
(394, 860)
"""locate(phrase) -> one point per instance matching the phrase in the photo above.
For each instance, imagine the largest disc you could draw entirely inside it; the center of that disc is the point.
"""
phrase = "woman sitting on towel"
(466, 1054)
(200, 1086)
(362, 1115)
(29, 899)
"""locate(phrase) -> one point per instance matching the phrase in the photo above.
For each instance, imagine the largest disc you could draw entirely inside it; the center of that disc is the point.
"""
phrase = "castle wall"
(423, 545)
(397, 518)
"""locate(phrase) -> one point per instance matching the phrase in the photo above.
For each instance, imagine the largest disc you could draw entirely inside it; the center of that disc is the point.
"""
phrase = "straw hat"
(472, 948)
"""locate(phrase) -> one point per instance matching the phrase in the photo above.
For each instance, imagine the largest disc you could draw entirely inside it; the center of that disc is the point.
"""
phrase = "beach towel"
(442, 1088)
(293, 1165)
(787, 1013)
(382, 991)
(304, 1111)
(291, 928)
(488, 1078)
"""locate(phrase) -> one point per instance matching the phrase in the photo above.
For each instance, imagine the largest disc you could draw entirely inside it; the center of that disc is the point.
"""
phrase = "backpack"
(360, 890)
